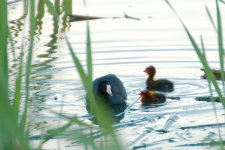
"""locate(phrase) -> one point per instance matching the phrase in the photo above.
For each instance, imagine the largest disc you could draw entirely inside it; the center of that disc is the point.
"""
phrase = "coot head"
(105, 88)
(110, 88)
(150, 70)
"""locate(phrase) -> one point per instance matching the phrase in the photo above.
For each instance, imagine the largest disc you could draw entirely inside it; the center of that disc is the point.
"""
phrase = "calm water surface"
(125, 47)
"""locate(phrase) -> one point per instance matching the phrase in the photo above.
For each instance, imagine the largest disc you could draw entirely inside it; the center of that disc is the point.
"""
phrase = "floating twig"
(208, 99)
(203, 126)
(130, 17)
(73, 18)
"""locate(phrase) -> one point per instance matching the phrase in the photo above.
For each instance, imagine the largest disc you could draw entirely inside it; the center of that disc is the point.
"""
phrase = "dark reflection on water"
(39, 17)
(16, 27)
(45, 60)
(43, 68)
(114, 111)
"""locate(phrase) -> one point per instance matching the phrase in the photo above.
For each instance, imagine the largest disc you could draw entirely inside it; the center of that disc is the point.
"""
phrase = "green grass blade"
(56, 132)
(57, 6)
(51, 9)
(210, 18)
(3, 50)
(203, 47)
(88, 46)
(222, 1)
(68, 7)
(12, 44)
(78, 64)
(89, 53)
(29, 62)
(220, 42)
(211, 94)
(201, 57)
(77, 121)
(208, 71)
(100, 112)
(17, 96)
(209, 83)
(11, 136)
(40, 13)
(5, 113)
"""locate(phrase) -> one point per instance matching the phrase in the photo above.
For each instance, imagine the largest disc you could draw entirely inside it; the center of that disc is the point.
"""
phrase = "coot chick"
(163, 85)
(110, 90)
(217, 74)
(149, 97)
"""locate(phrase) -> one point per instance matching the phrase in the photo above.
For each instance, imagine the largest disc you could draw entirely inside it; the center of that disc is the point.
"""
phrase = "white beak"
(108, 89)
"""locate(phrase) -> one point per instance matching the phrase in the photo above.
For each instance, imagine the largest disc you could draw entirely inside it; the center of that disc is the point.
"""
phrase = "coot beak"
(147, 71)
(109, 90)
(140, 94)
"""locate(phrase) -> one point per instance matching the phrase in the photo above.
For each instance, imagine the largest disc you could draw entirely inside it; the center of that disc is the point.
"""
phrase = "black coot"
(110, 90)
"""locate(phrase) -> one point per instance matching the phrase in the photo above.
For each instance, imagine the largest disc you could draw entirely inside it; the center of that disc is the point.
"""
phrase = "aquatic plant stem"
(88, 45)
(11, 136)
(29, 62)
(5, 107)
(3, 50)
(222, 1)
(89, 53)
(211, 94)
(220, 42)
(211, 19)
(17, 94)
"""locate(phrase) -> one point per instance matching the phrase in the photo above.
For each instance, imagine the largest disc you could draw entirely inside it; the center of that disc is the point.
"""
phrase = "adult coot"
(110, 90)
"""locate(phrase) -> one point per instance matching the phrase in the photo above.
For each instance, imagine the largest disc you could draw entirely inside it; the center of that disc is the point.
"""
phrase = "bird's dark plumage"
(110, 90)
(149, 97)
(163, 85)
(118, 91)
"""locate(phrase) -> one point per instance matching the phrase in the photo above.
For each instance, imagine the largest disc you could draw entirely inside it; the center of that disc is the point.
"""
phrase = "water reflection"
(45, 59)
(67, 8)
(112, 111)
(16, 27)
(39, 17)
(47, 37)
